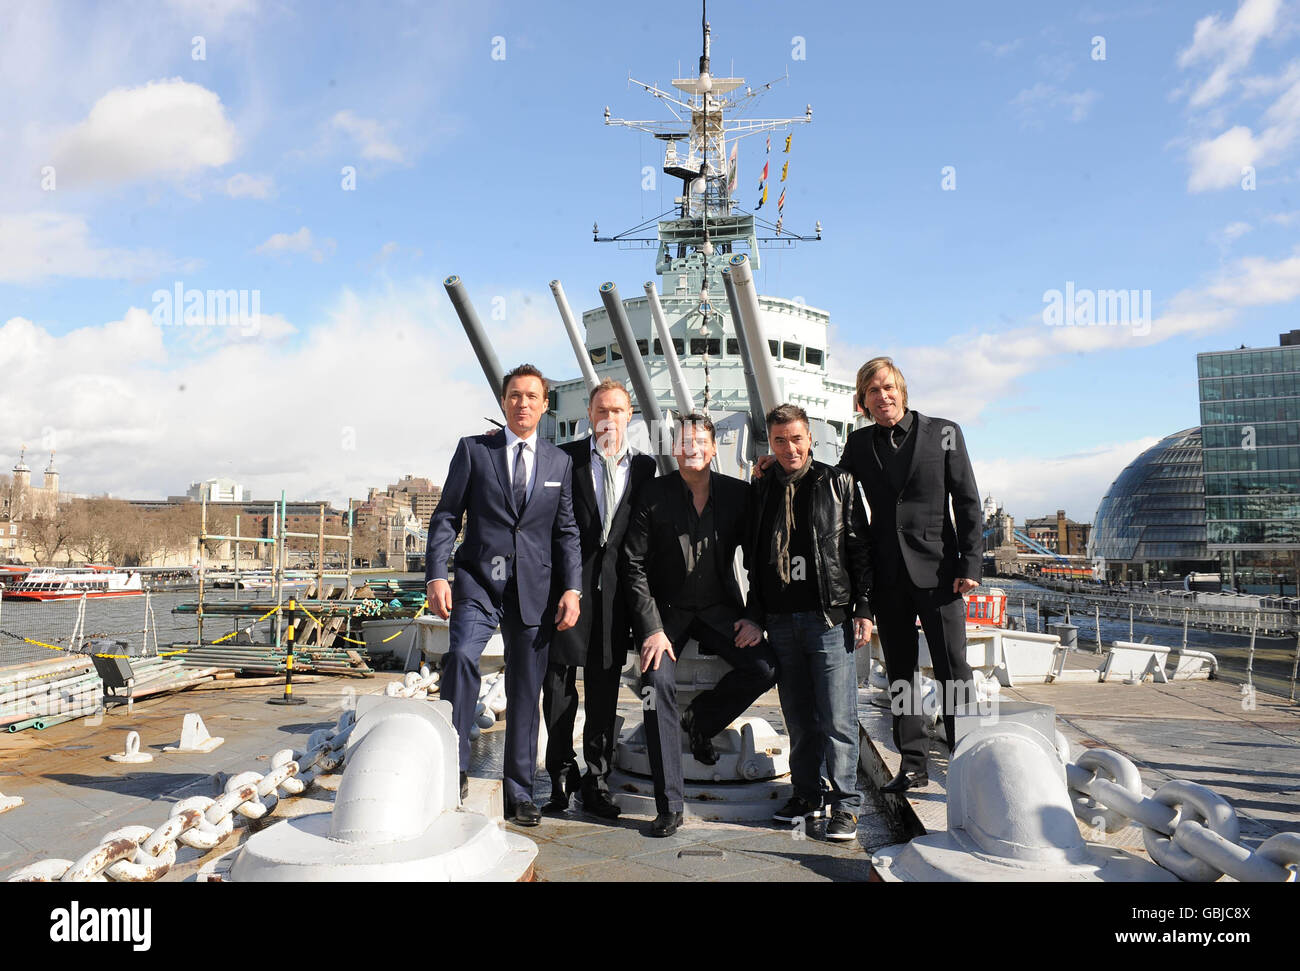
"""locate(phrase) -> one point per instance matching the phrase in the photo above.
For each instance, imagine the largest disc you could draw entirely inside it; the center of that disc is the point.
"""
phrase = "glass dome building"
(1152, 518)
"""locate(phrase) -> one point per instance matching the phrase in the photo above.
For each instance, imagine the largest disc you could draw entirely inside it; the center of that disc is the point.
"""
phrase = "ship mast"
(707, 216)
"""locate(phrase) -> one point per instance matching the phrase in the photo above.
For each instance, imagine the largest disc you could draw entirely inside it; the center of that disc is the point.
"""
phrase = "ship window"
(813, 356)
(706, 345)
(733, 347)
(597, 355)
(838, 427)
(614, 353)
(643, 347)
(772, 346)
(791, 352)
(679, 345)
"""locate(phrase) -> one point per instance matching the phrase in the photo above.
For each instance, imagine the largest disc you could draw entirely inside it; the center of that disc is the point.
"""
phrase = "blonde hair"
(610, 384)
(869, 370)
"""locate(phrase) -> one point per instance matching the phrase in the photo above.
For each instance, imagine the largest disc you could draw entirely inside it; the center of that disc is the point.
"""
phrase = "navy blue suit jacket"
(499, 542)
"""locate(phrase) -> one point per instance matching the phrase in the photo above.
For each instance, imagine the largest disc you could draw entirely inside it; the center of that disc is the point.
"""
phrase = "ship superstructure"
(695, 242)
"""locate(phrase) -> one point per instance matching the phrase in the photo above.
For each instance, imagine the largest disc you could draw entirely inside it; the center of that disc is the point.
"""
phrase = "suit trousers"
(753, 671)
(526, 650)
(943, 618)
(560, 709)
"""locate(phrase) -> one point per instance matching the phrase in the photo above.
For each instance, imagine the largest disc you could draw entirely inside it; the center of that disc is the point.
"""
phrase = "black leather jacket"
(839, 535)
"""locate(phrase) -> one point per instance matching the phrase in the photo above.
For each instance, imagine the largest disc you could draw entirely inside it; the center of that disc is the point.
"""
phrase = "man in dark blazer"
(607, 477)
(514, 491)
(679, 556)
(910, 466)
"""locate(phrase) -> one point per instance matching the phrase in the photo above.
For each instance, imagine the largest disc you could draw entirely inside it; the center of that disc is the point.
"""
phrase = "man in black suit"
(607, 477)
(679, 556)
(923, 559)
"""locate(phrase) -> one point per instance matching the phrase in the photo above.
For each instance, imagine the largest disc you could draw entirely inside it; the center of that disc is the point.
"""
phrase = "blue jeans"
(819, 699)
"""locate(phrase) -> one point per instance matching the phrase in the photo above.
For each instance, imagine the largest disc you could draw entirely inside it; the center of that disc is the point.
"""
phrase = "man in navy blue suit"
(515, 493)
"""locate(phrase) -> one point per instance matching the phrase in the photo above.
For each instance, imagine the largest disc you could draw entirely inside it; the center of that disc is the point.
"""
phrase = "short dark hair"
(524, 371)
(784, 414)
(700, 421)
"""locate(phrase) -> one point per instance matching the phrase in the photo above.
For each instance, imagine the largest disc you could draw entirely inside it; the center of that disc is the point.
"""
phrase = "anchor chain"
(135, 854)
(1187, 828)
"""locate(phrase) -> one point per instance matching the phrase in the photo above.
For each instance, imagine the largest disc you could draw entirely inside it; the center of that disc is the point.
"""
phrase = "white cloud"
(167, 129)
(1283, 218)
(1003, 49)
(370, 136)
(966, 374)
(113, 394)
(1228, 46)
(300, 242)
(1035, 486)
(242, 185)
(1256, 281)
(1032, 102)
(1218, 163)
(37, 246)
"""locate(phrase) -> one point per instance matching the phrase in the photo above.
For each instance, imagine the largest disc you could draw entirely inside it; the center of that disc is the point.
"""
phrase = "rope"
(353, 640)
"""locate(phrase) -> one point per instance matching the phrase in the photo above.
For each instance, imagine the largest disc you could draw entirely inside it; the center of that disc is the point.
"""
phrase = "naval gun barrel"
(749, 319)
(487, 357)
(757, 417)
(681, 391)
(636, 370)
(575, 338)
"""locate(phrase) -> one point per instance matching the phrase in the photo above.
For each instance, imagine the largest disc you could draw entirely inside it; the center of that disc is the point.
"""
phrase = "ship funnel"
(757, 416)
(575, 338)
(636, 370)
(487, 357)
(681, 391)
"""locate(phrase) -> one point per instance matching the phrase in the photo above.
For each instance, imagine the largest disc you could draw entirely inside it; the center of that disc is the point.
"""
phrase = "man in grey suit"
(515, 494)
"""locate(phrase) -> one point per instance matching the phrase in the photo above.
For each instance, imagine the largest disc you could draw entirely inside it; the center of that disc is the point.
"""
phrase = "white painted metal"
(131, 751)
(194, 736)
(396, 816)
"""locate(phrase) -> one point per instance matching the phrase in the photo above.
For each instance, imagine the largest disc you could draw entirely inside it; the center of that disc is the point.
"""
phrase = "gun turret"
(575, 338)
(681, 391)
(636, 370)
(487, 357)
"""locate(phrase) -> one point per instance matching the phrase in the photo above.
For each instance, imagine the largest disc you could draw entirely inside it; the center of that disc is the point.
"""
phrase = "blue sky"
(131, 166)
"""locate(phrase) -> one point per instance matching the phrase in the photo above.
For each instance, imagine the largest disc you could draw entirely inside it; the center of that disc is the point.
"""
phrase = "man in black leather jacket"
(809, 562)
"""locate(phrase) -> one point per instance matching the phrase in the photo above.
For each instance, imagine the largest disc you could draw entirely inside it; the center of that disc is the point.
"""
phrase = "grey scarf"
(784, 523)
(610, 463)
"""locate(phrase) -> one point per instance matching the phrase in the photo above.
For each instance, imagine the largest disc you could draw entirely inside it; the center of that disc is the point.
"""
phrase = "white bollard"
(131, 752)
(397, 814)
(194, 737)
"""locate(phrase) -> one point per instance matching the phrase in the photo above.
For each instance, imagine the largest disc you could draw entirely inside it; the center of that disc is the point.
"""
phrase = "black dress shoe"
(906, 780)
(665, 824)
(598, 803)
(464, 786)
(524, 814)
(568, 783)
(701, 745)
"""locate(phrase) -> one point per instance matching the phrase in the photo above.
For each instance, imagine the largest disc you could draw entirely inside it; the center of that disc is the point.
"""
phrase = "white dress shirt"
(530, 459)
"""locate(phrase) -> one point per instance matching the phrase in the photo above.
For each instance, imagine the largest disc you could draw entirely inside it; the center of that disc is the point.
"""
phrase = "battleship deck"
(1192, 730)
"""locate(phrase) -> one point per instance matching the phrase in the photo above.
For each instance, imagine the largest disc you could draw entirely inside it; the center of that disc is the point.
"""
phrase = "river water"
(53, 623)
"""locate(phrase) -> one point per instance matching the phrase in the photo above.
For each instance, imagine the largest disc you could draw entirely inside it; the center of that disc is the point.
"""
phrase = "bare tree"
(91, 535)
(48, 535)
